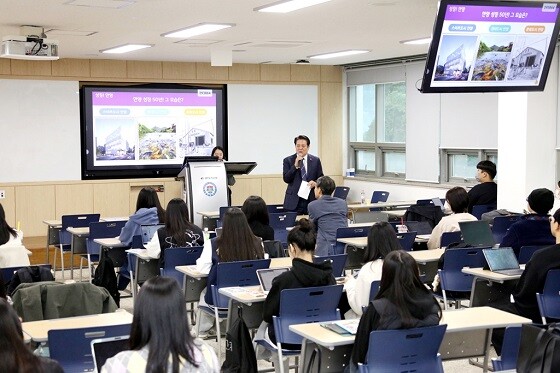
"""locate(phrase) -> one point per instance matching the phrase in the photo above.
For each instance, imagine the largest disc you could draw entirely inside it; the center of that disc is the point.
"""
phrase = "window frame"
(445, 164)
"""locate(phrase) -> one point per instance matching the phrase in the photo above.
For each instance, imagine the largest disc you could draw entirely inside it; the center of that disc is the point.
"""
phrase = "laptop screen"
(105, 348)
(148, 231)
(500, 259)
(267, 275)
(476, 233)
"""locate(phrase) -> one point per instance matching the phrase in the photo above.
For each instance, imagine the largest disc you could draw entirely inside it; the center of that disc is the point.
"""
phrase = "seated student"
(382, 239)
(178, 231)
(485, 193)
(328, 213)
(148, 211)
(12, 251)
(15, 355)
(160, 337)
(256, 212)
(531, 282)
(456, 203)
(236, 243)
(532, 229)
(403, 302)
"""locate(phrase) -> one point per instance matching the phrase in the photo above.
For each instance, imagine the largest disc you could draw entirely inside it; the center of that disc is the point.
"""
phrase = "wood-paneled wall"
(30, 203)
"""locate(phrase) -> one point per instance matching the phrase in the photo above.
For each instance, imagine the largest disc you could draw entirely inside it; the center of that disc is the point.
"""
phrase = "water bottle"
(206, 234)
(363, 197)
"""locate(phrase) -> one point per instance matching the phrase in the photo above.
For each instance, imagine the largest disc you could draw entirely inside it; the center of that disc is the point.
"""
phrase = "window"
(377, 124)
(459, 166)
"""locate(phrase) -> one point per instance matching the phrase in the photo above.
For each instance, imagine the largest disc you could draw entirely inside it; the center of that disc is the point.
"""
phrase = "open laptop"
(437, 202)
(105, 348)
(503, 261)
(148, 231)
(267, 275)
(476, 233)
(420, 227)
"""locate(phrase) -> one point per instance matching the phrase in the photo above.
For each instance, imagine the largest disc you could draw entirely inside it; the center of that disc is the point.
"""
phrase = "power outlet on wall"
(2, 194)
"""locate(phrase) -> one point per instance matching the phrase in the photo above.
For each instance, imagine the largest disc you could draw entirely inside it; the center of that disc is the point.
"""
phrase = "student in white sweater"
(456, 203)
(382, 239)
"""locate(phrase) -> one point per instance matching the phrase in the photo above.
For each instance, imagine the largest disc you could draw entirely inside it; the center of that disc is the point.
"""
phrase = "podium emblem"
(209, 189)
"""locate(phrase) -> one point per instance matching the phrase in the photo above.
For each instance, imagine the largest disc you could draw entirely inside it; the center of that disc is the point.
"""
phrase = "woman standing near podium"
(218, 151)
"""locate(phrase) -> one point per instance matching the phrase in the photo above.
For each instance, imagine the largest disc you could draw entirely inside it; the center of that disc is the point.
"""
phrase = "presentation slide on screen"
(493, 45)
(150, 128)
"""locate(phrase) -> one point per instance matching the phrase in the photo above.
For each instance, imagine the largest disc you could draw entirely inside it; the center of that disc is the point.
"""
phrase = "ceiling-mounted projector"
(29, 48)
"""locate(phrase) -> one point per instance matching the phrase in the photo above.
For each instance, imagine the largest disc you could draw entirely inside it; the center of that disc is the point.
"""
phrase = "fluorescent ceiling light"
(338, 54)
(198, 29)
(125, 48)
(420, 41)
(286, 6)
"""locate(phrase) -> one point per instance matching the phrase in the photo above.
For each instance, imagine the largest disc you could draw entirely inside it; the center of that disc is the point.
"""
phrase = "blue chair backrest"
(341, 192)
(75, 221)
(510, 350)
(72, 347)
(305, 305)
(526, 253)
(373, 290)
(104, 229)
(501, 224)
(279, 222)
(393, 350)
(424, 202)
(448, 238)
(348, 232)
(137, 242)
(478, 210)
(406, 240)
(549, 300)
(241, 273)
(275, 208)
(338, 262)
(451, 276)
(179, 256)
(8, 272)
(379, 196)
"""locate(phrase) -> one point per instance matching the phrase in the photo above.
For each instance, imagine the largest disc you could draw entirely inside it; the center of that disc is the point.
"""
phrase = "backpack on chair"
(105, 277)
(240, 353)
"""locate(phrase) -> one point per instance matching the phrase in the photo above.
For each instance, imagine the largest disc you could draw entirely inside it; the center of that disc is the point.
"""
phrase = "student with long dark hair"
(148, 211)
(160, 338)
(382, 239)
(15, 356)
(7, 233)
(256, 212)
(178, 231)
(12, 251)
(403, 302)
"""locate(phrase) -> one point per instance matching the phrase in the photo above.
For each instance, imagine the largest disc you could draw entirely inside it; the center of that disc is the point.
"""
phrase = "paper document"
(343, 326)
(304, 190)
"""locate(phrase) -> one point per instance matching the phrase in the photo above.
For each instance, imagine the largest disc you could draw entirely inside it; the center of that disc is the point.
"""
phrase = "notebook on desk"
(502, 261)
(267, 275)
(476, 233)
(105, 348)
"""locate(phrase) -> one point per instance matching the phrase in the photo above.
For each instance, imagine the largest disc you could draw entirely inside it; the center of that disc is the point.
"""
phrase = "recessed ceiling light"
(419, 41)
(125, 48)
(286, 6)
(198, 29)
(338, 54)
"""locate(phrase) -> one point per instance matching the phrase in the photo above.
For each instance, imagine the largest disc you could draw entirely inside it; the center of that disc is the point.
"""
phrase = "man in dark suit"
(300, 167)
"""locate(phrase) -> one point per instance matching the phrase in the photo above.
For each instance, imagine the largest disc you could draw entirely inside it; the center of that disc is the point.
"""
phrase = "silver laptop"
(148, 231)
(267, 275)
(105, 348)
(437, 202)
(503, 261)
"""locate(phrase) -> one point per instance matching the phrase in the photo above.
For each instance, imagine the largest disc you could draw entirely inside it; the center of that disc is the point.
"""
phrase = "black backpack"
(240, 353)
(106, 277)
(28, 275)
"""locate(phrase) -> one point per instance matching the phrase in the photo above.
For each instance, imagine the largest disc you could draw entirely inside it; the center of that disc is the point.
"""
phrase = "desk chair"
(179, 256)
(408, 350)
(298, 306)
(141, 270)
(65, 237)
(338, 263)
(425, 202)
(510, 349)
(448, 238)
(241, 273)
(549, 300)
(72, 347)
(526, 253)
(378, 196)
(105, 229)
(406, 240)
(222, 211)
(348, 232)
(8, 272)
(451, 276)
(478, 210)
(373, 290)
(275, 208)
(501, 224)
(273, 248)
(341, 192)
(279, 222)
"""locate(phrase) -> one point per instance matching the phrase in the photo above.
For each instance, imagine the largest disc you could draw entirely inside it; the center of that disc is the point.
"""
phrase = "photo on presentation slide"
(199, 138)
(492, 58)
(157, 138)
(527, 57)
(455, 57)
(115, 139)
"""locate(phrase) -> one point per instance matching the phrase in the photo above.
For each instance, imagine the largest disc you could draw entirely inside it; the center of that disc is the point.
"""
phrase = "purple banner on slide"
(202, 98)
(478, 13)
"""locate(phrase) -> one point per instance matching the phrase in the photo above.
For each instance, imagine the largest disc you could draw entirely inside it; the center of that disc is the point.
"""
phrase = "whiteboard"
(40, 127)
(264, 119)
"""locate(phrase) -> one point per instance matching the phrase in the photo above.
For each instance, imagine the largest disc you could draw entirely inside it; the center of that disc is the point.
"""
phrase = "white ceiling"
(375, 25)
